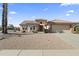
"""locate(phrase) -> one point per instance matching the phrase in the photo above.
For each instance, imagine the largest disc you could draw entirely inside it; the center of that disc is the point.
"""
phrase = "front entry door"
(40, 27)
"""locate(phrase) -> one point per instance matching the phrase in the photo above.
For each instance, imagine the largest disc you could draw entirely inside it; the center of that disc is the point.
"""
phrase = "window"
(30, 28)
(33, 27)
(26, 28)
(23, 28)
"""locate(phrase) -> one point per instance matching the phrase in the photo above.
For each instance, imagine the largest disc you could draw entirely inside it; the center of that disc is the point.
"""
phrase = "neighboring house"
(54, 26)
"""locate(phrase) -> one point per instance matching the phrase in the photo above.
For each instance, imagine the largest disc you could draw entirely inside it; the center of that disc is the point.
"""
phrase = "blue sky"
(18, 12)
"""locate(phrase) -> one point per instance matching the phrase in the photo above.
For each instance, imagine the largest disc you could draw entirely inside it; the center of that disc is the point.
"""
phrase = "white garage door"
(56, 28)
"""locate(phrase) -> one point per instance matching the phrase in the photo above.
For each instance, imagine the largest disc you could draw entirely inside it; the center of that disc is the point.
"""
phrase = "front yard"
(34, 41)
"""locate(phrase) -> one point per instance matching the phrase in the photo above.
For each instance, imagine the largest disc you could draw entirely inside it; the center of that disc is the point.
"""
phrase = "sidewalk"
(69, 52)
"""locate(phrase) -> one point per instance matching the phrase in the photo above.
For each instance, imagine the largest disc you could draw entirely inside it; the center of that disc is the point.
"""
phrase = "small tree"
(76, 28)
(11, 27)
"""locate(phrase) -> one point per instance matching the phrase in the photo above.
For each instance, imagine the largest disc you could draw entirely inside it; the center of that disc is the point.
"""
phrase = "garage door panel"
(60, 27)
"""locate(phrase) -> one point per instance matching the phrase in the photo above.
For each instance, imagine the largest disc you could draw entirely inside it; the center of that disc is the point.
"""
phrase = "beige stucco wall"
(27, 30)
(21, 28)
(60, 27)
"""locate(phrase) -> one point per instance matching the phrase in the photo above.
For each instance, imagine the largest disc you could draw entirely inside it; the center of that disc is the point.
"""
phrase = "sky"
(18, 12)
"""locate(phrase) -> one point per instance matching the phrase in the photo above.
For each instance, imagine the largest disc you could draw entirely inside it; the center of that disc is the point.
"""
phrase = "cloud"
(33, 17)
(65, 4)
(68, 14)
(68, 4)
(45, 9)
(12, 12)
(70, 11)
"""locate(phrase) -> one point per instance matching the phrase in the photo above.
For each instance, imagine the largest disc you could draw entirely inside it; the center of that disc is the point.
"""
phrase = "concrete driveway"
(72, 39)
(34, 41)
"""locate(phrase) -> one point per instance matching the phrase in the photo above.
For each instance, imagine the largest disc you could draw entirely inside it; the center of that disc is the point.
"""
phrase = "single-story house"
(54, 25)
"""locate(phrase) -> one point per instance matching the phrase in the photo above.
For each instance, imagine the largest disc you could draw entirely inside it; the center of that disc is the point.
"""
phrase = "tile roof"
(40, 19)
(62, 21)
(56, 21)
(28, 22)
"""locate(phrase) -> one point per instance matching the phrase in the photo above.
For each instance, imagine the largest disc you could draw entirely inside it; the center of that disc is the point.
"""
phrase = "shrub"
(77, 29)
(60, 31)
(0, 29)
(23, 31)
(35, 31)
(45, 30)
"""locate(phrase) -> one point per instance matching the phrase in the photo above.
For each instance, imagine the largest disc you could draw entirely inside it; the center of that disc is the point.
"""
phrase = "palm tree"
(4, 18)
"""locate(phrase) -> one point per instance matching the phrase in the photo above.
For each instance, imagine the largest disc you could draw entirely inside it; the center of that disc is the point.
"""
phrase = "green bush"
(23, 31)
(77, 29)
(0, 29)
(35, 31)
(10, 28)
(45, 30)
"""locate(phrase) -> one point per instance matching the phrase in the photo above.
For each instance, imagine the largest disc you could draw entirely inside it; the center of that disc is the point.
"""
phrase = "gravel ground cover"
(33, 41)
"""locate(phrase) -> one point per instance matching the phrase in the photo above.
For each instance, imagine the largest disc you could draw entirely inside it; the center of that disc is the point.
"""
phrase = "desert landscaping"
(35, 41)
(40, 44)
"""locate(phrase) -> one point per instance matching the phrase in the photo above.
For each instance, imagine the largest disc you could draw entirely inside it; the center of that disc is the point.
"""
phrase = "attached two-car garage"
(60, 27)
